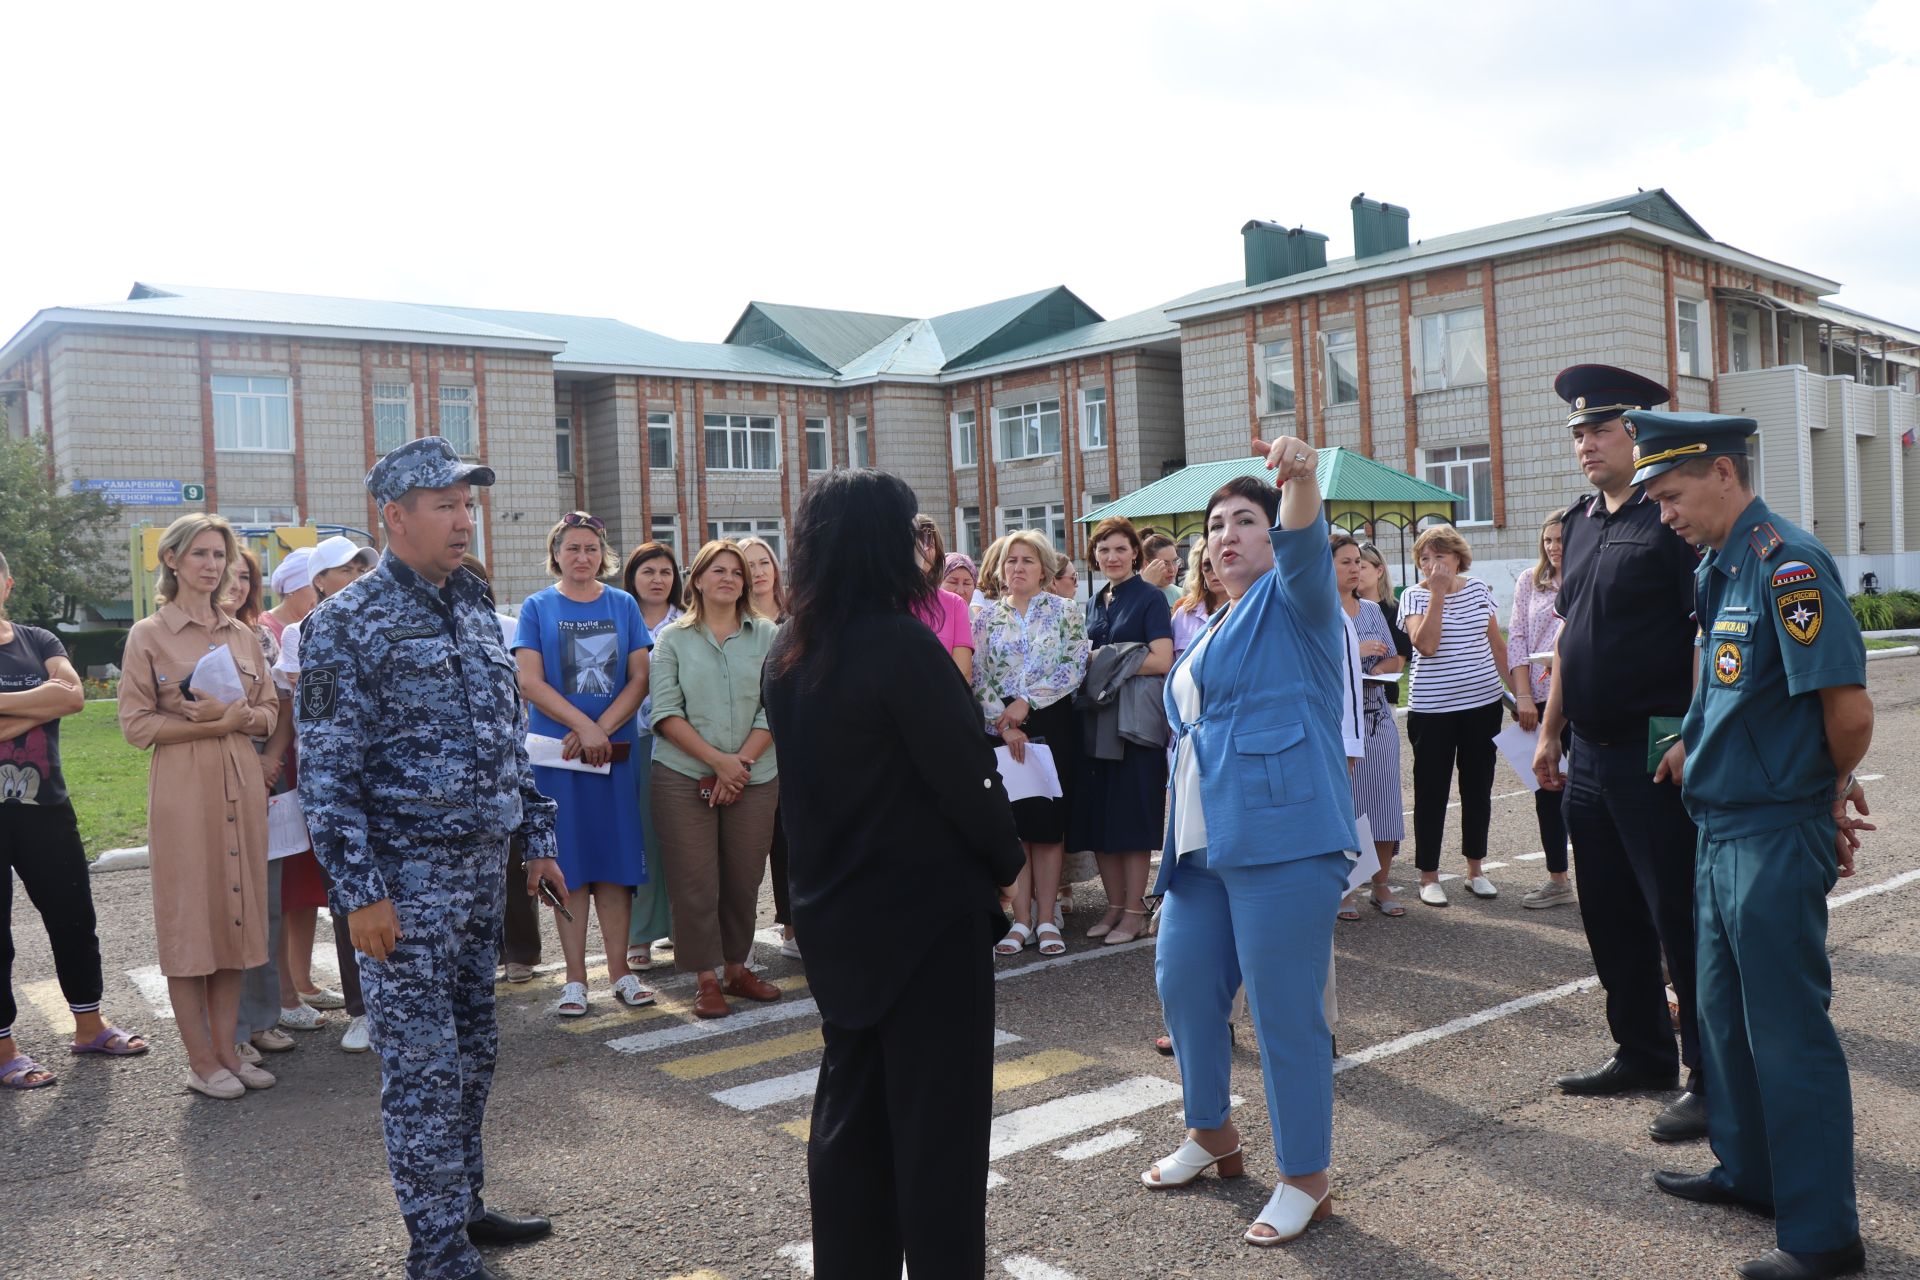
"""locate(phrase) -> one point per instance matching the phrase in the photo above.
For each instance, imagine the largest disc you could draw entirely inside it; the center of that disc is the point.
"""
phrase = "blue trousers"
(1271, 927)
(430, 1011)
(1779, 1105)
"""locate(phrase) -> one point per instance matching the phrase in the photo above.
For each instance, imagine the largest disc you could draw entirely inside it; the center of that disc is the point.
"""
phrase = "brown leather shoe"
(710, 1003)
(750, 986)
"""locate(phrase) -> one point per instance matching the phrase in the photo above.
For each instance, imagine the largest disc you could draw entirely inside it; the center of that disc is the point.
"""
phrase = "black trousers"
(897, 1163)
(1635, 846)
(1549, 808)
(41, 843)
(777, 872)
(520, 941)
(1442, 741)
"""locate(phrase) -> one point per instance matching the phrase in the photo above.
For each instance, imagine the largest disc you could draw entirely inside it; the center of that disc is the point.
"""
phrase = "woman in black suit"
(888, 790)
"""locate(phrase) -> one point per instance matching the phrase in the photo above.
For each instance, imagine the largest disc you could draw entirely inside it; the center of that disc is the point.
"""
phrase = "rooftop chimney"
(1377, 228)
(1275, 252)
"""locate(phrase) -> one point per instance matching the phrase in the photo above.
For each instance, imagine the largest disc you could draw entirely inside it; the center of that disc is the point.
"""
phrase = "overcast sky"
(667, 164)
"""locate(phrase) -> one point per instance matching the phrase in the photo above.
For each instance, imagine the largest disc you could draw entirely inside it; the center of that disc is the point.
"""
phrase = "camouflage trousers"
(430, 1010)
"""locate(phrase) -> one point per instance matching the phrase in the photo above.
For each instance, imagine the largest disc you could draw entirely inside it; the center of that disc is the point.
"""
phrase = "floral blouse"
(1041, 656)
(1532, 628)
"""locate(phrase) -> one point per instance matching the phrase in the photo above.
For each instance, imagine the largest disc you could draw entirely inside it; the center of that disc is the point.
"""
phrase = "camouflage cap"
(429, 462)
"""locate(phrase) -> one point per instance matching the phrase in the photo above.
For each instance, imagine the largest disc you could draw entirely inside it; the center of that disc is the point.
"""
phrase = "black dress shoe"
(494, 1227)
(1684, 1119)
(1616, 1077)
(1702, 1188)
(1778, 1264)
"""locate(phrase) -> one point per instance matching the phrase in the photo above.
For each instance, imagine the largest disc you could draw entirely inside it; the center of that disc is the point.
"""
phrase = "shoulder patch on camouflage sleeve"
(319, 693)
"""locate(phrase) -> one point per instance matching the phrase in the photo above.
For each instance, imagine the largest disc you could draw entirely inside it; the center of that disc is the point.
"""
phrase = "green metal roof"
(599, 342)
(830, 338)
(1352, 484)
(1000, 326)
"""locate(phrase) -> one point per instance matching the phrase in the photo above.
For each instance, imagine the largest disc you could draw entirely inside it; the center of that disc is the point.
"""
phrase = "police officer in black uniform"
(1625, 656)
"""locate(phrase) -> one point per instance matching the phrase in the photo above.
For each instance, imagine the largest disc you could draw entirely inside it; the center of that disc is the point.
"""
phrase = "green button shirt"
(715, 687)
(1775, 629)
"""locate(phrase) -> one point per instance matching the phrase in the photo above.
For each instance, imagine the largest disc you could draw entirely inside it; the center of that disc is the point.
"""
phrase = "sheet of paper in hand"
(216, 676)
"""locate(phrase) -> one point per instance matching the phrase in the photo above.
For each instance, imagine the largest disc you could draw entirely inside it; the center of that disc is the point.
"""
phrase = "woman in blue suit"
(1259, 822)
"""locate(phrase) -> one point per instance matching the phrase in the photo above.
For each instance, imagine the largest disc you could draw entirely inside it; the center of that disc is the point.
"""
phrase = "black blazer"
(896, 820)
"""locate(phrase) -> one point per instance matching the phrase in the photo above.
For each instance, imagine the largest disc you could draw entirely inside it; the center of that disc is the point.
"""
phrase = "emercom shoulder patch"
(319, 693)
(1800, 613)
(1794, 571)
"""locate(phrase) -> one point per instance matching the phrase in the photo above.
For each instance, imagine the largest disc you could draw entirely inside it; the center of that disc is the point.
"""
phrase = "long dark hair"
(853, 552)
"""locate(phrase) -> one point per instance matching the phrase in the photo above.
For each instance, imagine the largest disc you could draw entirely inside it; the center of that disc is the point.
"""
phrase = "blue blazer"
(1272, 764)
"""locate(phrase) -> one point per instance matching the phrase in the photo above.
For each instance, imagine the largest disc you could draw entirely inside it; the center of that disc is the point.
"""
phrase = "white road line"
(766, 1093)
(1871, 777)
(800, 1255)
(1047, 1122)
(1112, 1140)
(1418, 1039)
(153, 989)
(1504, 795)
(1075, 957)
(995, 1179)
(1021, 1267)
(687, 1033)
(1529, 857)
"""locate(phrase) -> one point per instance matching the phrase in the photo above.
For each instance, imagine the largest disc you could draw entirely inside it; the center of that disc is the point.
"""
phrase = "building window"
(260, 517)
(457, 420)
(1093, 418)
(1279, 380)
(1029, 430)
(738, 529)
(1692, 332)
(392, 416)
(666, 531)
(1453, 349)
(1343, 367)
(1051, 521)
(660, 442)
(737, 442)
(1468, 471)
(1742, 349)
(860, 454)
(970, 532)
(819, 444)
(966, 440)
(563, 445)
(252, 413)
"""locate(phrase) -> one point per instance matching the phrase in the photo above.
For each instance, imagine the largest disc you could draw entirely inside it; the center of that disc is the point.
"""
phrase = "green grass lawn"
(106, 778)
(1893, 642)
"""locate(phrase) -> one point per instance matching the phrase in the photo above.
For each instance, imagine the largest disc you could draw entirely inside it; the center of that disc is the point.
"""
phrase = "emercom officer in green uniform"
(1780, 717)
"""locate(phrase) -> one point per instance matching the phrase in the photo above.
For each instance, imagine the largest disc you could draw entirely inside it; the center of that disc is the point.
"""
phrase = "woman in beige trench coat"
(206, 798)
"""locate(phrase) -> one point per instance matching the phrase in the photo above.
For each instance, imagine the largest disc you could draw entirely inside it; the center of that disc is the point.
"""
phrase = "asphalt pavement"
(663, 1146)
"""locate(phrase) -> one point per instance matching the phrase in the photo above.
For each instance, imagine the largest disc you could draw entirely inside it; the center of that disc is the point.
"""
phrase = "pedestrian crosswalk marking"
(621, 1017)
(47, 997)
(1112, 1140)
(702, 1274)
(701, 1065)
(801, 1128)
(1034, 1068)
(1048, 1122)
(1022, 1267)
(767, 1093)
(689, 1032)
(153, 989)
(1529, 857)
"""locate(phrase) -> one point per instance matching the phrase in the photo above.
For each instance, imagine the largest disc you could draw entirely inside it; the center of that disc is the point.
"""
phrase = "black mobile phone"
(186, 685)
(553, 900)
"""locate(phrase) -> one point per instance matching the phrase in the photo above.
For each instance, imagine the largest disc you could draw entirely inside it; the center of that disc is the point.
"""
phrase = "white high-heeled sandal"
(1288, 1212)
(1189, 1162)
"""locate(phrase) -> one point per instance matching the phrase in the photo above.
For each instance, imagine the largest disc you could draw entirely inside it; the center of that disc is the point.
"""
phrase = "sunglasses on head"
(580, 519)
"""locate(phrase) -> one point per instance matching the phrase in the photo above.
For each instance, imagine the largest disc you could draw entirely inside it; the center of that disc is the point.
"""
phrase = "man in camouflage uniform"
(414, 775)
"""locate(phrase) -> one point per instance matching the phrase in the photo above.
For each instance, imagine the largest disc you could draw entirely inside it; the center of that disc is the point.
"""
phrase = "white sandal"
(1051, 943)
(573, 1000)
(630, 993)
(1018, 936)
(1288, 1213)
(640, 959)
(1189, 1162)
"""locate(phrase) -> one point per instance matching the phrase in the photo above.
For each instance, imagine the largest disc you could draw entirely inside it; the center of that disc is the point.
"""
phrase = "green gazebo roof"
(1356, 490)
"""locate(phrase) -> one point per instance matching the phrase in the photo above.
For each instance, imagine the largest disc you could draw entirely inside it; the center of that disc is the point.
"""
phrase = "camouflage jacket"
(411, 730)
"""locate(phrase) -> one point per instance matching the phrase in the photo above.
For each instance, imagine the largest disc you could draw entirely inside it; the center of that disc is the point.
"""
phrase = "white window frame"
(859, 441)
(269, 405)
(672, 529)
(270, 515)
(769, 527)
(563, 440)
(743, 431)
(659, 427)
(1052, 521)
(1434, 354)
(1277, 356)
(1743, 339)
(1440, 466)
(1093, 418)
(1020, 430)
(819, 431)
(391, 396)
(969, 531)
(1691, 312)
(457, 399)
(966, 439)
(1335, 343)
